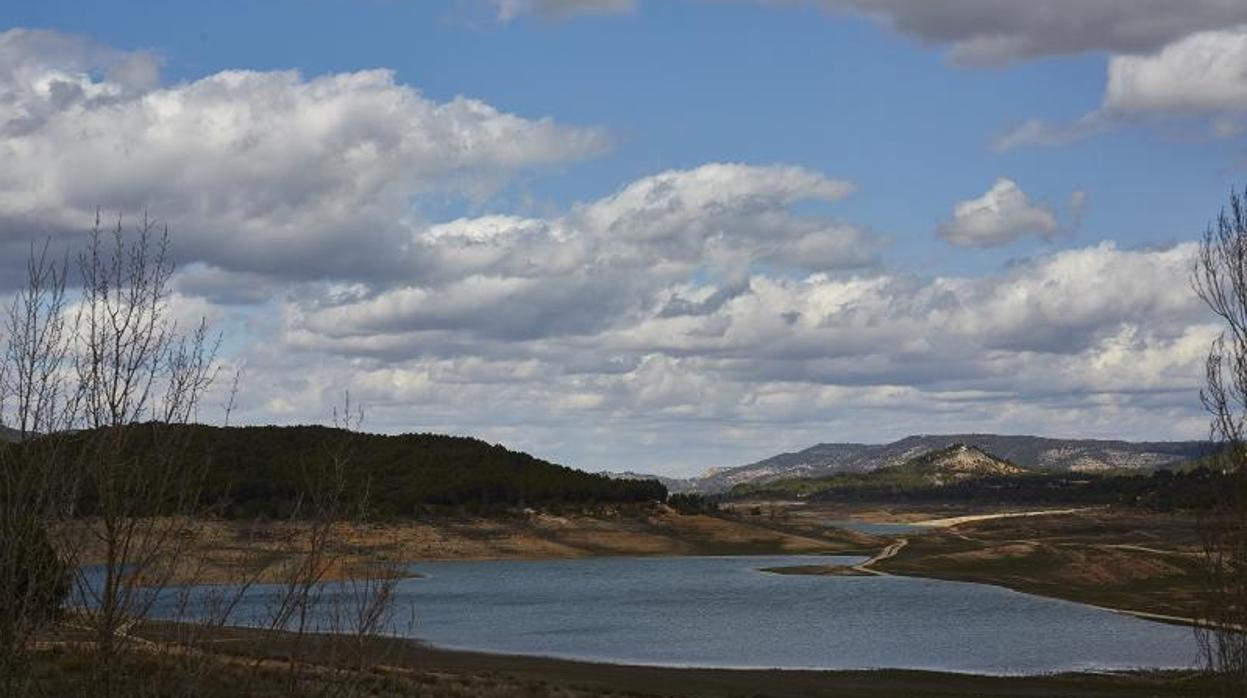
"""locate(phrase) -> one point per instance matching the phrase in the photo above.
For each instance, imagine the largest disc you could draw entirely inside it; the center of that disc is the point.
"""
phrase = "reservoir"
(723, 612)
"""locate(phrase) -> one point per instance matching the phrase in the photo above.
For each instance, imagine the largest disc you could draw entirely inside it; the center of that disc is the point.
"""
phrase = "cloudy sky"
(657, 235)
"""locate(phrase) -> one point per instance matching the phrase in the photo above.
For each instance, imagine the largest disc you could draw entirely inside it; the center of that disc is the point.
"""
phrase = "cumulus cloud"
(693, 316)
(1204, 74)
(266, 172)
(1081, 341)
(602, 261)
(27, 54)
(822, 328)
(990, 32)
(1002, 215)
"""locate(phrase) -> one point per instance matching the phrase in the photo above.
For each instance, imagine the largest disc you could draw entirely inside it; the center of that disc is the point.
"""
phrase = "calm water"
(722, 612)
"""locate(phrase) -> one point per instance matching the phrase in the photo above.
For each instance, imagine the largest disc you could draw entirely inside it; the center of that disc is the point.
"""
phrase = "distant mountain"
(958, 465)
(673, 484)
(814, 461)
(7, 434)
(1030, 452)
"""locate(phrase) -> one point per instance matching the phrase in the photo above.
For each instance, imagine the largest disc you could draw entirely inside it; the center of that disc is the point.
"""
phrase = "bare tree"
(323, 613)
(103, 486)
(34, 488)
(1220, 279)
(139, 379)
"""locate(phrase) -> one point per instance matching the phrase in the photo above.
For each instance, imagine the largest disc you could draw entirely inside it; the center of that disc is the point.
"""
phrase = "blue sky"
(857, 128)
(682, 83)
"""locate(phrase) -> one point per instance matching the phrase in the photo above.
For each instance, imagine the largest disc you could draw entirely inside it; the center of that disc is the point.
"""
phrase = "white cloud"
(1083, 341)
(604, 261)
(1202, 75)
(991, 32)
(1002, 215)
(265, 172)
(27, 54)
(694, 316)
(997, 31)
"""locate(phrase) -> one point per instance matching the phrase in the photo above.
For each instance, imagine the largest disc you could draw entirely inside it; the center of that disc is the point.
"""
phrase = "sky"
(657, 236)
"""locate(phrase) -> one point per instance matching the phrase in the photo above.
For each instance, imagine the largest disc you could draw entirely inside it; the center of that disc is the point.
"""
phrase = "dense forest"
(1162, 490)
(264, 471)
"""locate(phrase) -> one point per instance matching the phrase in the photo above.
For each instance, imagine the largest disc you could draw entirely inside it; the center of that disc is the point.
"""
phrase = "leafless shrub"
(34, 489)
(343, 608)
(1220, 279)
(139, 380)
(101, 388)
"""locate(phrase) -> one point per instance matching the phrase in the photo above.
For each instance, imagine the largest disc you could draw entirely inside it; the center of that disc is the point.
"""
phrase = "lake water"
(723, 612)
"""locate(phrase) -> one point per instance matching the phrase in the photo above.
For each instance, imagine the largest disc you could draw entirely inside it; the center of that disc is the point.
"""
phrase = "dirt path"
(898, 543)
(890, 551)
(957, 520)
(1154, 551)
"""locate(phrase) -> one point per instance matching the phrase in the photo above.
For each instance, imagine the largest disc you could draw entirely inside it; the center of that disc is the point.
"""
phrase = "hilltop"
(956, 462)
(1035, 453)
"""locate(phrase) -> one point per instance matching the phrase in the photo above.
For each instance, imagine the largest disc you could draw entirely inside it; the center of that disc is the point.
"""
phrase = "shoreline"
(513, 674)
(886, 555)
(453, 671)
(1090, 670)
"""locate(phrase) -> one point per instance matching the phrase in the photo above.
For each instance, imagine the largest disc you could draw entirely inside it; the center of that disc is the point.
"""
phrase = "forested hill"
(261, 471)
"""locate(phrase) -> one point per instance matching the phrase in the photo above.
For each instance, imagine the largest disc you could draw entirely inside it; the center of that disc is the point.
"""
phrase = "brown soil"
(1127, 560)
(231, 551)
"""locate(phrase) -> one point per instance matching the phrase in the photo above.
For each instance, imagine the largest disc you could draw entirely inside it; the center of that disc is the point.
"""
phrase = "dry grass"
(1120, 559)
(1127, 559)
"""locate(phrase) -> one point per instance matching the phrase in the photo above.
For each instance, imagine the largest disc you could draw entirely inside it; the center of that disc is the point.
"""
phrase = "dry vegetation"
(1147, 563)
(1124, 559)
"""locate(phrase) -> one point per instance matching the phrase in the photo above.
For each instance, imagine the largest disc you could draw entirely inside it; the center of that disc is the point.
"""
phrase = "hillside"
(811, 462)
(964, 474)
(956, 462)
(262, 470)
(7, 434)
(1030, 452)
